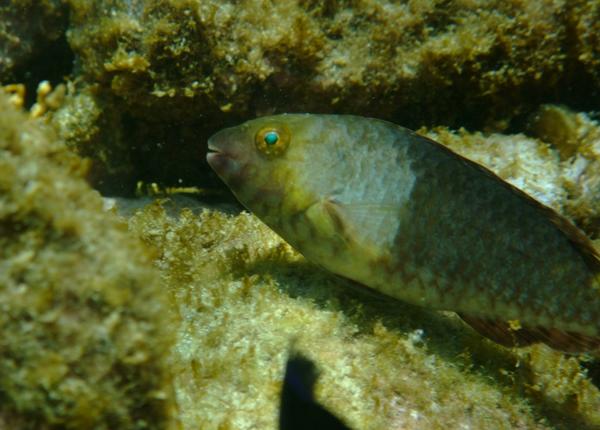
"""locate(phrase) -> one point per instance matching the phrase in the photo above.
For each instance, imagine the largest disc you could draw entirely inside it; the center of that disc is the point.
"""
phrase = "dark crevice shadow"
(444, 334)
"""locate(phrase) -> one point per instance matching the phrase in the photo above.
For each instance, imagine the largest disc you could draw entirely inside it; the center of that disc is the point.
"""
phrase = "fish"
(298, 408)
(397, 212)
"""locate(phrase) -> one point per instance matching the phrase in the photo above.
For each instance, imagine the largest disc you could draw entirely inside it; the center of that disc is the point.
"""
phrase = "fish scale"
(400, 213)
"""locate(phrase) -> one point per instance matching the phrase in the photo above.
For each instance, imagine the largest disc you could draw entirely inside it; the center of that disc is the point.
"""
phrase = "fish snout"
(222, 163)
(224, 155)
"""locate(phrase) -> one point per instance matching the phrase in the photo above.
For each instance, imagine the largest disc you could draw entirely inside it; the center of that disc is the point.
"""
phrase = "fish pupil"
(271, 138)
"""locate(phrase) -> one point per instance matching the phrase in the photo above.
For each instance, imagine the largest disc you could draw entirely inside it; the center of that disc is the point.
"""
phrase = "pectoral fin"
(372, 227)
(327, 218)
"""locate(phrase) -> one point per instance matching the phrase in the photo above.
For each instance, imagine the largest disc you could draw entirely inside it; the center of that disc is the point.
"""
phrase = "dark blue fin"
(299, 410)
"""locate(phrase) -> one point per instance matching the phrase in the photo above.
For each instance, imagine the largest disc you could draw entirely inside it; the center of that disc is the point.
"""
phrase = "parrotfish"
(402, 214)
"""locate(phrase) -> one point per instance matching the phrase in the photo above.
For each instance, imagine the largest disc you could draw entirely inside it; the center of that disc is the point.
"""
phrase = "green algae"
(151, 81)
(242, 298)
(586, 24)
(193, 55)
(173, 72)
(576, 138)
(26, 28)
(84, 321)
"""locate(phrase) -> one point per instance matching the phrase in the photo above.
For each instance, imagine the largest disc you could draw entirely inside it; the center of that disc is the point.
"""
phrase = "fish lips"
(221, 162)
(222, 156)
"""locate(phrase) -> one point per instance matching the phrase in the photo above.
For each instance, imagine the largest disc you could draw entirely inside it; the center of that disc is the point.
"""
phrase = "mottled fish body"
(402, 214)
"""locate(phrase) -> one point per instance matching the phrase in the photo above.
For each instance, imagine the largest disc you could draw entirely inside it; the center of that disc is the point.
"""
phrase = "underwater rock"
(176, 71)
(27, 27)
(84, 322)
(586, 23)
(89, 126)
(576, 138)
(373, 57)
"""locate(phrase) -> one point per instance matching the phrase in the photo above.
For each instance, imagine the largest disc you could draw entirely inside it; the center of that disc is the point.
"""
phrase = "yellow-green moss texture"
(26, 28)
(373, 56)
(83, 320)
(169, 73)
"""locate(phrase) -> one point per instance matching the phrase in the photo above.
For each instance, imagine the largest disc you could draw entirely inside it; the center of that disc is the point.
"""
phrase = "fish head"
(321, 182)
(265, 162)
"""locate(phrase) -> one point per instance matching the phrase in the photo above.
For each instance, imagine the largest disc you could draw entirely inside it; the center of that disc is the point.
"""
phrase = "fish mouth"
(223, 162)
(213, 154)
(213, 146)
(219, 161)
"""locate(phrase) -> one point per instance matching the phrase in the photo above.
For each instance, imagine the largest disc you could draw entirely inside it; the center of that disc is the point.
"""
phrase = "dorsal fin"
(502, 333)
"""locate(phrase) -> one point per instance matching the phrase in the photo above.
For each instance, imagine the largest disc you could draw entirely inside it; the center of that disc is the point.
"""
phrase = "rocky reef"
(33, 42)
(179, 312)
(84, 321)
(166, 74)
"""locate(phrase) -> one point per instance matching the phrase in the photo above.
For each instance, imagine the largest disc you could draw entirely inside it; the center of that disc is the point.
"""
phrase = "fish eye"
(272, 141)
(271, 138)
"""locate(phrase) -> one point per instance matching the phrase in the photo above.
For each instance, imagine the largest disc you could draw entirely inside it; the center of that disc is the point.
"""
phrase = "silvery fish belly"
(400, 213)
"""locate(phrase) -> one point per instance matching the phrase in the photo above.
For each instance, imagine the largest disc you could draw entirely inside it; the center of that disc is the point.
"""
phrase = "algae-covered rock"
(171, 67)
(84, 321)
(245, 298)
(89, 125)
(586, 21)
(576, 138)
(378, 57)
(27, 27)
